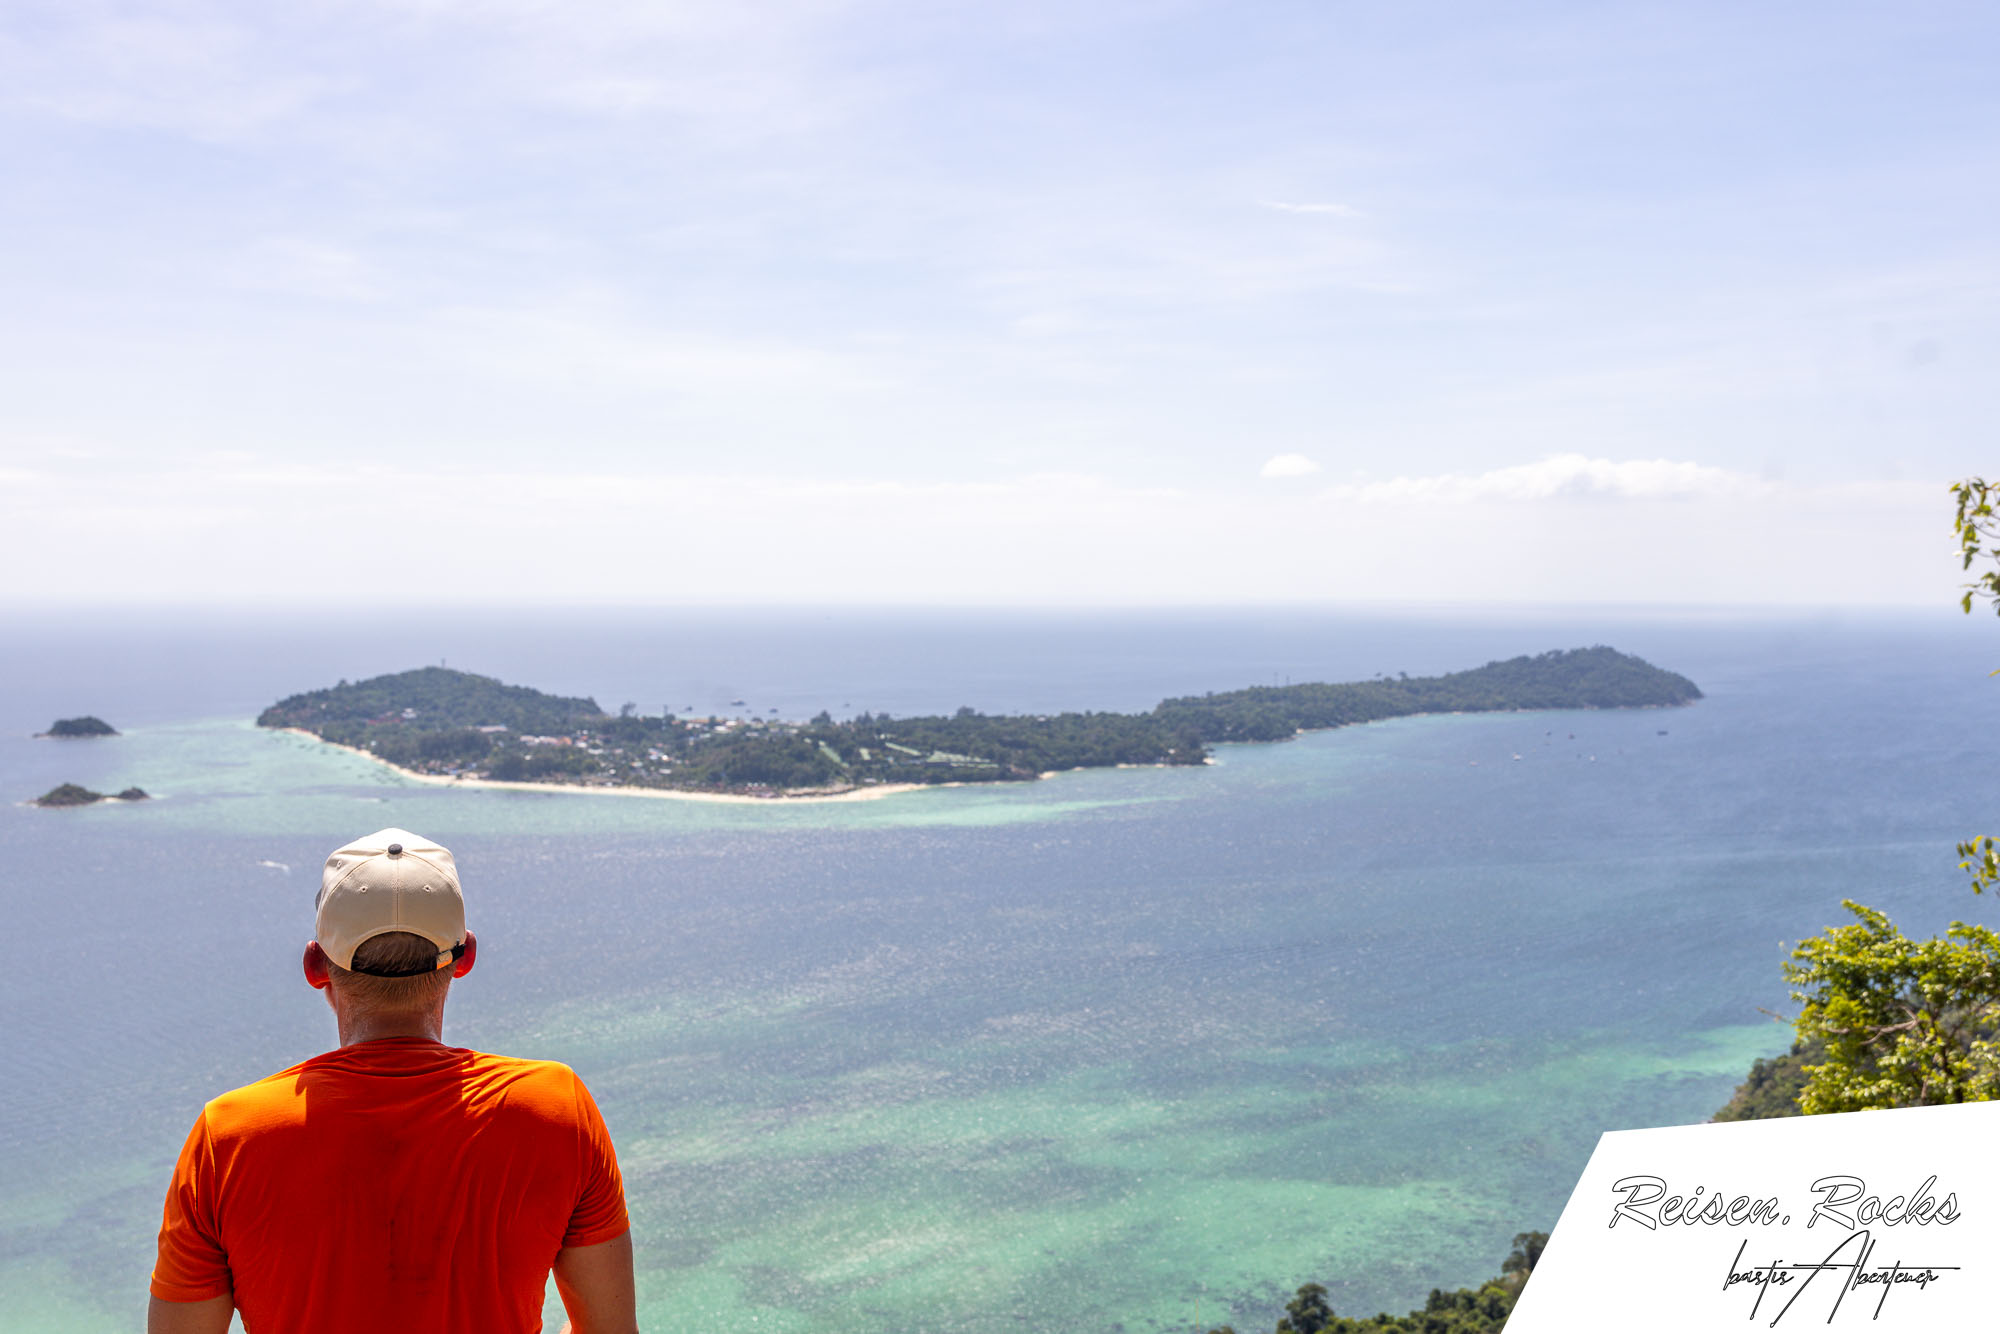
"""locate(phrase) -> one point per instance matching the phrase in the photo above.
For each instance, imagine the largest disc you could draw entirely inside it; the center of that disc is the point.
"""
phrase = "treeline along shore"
(446, 723)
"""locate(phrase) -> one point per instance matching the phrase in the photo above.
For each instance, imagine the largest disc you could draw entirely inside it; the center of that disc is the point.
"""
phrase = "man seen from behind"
(395, 1183)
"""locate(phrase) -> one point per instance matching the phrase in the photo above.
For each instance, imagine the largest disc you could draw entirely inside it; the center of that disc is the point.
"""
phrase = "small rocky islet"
(88, 725)
(75, 794)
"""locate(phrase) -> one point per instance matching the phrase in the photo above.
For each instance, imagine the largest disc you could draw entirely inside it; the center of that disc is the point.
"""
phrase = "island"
(75, 794)
(443, 724)
(79, 727)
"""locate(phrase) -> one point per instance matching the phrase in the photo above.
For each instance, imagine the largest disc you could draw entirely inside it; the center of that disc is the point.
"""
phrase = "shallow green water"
(1071, 1055)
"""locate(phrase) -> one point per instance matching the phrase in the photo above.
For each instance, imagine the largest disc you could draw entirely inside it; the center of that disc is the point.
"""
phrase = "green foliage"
(1773, 1086)
(415, 748)
(1976, 528)
(1020, 747)
(1903, 1023)
(631, 730)
(772, 761)
(80, 727)
(1981, 856)
(1889, 1021)
(517, 764)
(1585, 678)
(1481, 1310)
(1307, 1312)
(1527, 1253)
(434, 697)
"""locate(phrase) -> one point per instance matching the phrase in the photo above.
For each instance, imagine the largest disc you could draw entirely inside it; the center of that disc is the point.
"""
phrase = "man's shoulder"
(485, 1077)
(520, 1073)
(479, 1083)
(258, 1096)
(525, 1066)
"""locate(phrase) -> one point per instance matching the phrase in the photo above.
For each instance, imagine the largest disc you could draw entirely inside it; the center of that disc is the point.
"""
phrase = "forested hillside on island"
(1584, 678)
(436, 720)
(428, 699)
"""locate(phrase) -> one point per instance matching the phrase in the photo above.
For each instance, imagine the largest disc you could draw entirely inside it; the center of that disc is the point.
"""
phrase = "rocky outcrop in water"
(75, 794)
(86, 726)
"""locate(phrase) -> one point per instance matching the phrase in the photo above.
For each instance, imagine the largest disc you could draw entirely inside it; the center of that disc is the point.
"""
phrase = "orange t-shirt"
(397, 1184)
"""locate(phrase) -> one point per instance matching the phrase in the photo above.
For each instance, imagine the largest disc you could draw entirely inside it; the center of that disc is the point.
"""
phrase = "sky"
(838, 301)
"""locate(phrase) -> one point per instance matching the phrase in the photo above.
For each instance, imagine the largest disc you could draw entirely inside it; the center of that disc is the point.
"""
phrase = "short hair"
(393, 951)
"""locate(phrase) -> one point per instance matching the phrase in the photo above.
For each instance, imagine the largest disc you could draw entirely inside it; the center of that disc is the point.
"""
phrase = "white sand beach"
(873, 792)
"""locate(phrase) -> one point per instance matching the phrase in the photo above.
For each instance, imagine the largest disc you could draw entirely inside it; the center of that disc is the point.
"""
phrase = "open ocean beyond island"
(1073, 1055)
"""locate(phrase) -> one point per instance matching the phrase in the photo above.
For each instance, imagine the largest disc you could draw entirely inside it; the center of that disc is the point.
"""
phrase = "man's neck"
(374, 1027)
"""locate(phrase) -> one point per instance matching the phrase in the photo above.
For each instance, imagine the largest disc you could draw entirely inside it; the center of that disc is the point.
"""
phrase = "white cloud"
(299, 266)
(1288, 465)
(226, 531)
(1328, 210)
(593, 344)
(1561, 476)
(200, 73)
(612, 94)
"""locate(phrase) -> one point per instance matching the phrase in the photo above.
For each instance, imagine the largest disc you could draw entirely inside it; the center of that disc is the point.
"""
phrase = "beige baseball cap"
(389, 881)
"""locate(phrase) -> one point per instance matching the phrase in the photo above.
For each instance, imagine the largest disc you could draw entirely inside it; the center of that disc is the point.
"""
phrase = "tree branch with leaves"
(1904, 1023)
(1977, 528)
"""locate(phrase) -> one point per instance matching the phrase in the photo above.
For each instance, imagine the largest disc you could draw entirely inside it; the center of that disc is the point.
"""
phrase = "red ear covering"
(316, 965)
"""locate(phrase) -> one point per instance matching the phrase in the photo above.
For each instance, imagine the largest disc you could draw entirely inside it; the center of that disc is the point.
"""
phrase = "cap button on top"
(395, 849)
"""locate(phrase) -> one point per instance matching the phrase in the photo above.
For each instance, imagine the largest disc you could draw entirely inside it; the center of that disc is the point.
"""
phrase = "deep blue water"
(1071, 1055)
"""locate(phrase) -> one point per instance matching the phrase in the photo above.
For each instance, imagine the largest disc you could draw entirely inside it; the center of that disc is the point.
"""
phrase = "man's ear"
(316, 966)
(464, 964)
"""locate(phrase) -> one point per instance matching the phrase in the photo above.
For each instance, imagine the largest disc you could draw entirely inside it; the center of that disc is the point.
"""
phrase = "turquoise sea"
(1095, 1053)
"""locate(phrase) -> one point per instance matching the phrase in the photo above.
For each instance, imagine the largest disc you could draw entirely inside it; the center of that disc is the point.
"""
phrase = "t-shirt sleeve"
(192, 1265)
(600, 1204)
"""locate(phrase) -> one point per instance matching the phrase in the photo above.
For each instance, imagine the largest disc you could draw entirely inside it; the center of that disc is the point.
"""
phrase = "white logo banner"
(1883, 1220)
